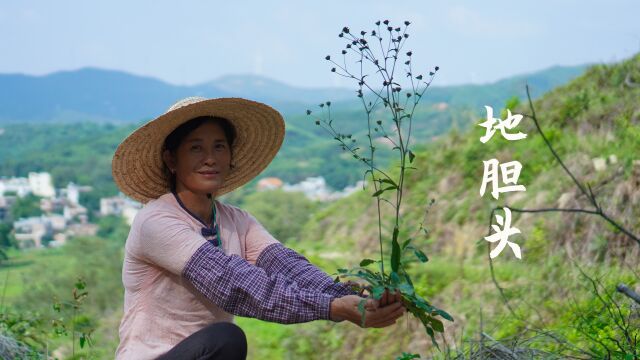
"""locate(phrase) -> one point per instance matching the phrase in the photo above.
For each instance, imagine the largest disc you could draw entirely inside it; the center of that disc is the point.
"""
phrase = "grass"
(14, 272)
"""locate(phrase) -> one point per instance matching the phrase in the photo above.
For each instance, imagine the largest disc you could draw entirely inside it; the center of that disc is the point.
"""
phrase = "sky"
(189, 42)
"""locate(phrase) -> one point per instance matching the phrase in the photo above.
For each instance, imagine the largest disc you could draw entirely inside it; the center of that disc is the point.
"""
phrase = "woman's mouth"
(209, 174)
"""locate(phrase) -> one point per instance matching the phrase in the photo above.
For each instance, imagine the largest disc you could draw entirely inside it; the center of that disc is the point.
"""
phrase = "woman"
(191, 262)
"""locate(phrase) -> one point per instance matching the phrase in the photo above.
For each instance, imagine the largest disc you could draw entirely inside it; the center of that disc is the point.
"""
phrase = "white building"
(129, 213)
(71, 211)
(41, 184)
(19, 186)
(347, 191)
(58, 222)
(120, 206)
(315, 188)
(50, 205)
(31, 232)
(72, 192)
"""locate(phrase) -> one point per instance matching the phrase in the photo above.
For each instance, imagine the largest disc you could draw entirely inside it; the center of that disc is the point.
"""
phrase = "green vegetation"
(541, 287)
(283, 213)
(389, 117)
(546, 289)
(43, 305)
(26, 207)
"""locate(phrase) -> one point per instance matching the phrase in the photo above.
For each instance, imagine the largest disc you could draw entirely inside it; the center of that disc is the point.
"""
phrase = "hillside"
(594, 116)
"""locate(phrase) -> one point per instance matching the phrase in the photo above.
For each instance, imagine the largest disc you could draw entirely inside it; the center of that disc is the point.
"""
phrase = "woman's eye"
(221, 146)
(196, 147)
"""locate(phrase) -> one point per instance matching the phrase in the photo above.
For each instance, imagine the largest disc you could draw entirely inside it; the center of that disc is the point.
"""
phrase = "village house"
(37, 183)
(18, 186)
(120, 206)
(5, 206)
(33, 231)
(315, 188)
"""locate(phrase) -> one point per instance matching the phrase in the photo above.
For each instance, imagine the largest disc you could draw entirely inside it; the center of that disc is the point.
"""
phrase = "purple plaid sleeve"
(246, 290)
(279, 259)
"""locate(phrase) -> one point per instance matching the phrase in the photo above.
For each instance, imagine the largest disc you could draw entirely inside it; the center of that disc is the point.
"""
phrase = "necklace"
(216, 229)
(206, 231)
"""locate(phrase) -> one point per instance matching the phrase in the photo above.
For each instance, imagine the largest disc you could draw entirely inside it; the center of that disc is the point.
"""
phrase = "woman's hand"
(388, 299)
(377, 315)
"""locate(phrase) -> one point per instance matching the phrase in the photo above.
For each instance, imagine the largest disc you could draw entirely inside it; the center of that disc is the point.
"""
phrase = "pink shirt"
(161, 308)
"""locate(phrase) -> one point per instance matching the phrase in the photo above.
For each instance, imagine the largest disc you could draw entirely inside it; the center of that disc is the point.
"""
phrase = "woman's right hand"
(377, 316)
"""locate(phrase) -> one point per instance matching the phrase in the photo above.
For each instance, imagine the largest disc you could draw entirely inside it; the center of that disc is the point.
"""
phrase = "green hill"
(594, 116)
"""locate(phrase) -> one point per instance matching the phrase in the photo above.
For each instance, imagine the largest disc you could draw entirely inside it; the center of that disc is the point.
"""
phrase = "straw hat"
(137, 165)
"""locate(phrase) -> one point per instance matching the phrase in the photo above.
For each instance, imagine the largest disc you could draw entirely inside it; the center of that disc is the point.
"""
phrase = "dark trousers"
(221, 340)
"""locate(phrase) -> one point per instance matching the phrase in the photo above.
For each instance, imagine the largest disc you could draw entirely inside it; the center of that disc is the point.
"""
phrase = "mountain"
(493, 94)
(272, 91)
(99, 95)
(85, 94)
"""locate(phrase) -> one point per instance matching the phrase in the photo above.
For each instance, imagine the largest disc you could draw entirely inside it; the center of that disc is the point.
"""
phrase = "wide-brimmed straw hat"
(137, 165)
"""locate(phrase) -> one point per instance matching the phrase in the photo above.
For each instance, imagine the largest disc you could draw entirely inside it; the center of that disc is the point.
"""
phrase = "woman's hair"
(173, 140)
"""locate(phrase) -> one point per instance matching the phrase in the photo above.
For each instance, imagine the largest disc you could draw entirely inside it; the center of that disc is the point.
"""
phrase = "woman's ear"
(169, 160)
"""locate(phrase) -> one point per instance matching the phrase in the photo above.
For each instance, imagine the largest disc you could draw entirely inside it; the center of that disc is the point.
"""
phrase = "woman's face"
(202, 161)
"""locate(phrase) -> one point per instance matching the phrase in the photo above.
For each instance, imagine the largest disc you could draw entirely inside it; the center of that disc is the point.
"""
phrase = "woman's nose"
(210, 157)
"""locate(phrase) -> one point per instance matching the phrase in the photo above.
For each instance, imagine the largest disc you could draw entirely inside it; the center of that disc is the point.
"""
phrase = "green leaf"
(366, 262)
(395, 250)
(377, 193)
(430, 331)
(444, 314)
(395, 279)
(377, 291)
(408, 356)
(433, 338)
(423, 305)
(389, 181)
(406, 288)
(80, 284)
(420, 255)
(411, 156)
(82, 340)
(436, 324)
(367, 275)
(362, 311)
(406, 242)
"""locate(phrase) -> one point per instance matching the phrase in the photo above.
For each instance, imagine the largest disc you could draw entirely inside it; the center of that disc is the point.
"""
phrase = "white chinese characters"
(508, 172)
(502, 235)
(509, 123)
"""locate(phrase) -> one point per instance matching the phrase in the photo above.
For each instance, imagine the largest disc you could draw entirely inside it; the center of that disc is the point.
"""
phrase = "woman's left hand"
(388, 299)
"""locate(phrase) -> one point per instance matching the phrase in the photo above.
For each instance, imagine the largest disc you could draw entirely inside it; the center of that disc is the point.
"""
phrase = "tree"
(26, 206)
(6, 238)
(282, 213)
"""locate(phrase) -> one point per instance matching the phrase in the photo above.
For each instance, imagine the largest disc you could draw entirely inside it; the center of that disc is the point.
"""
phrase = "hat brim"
(137, 165)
